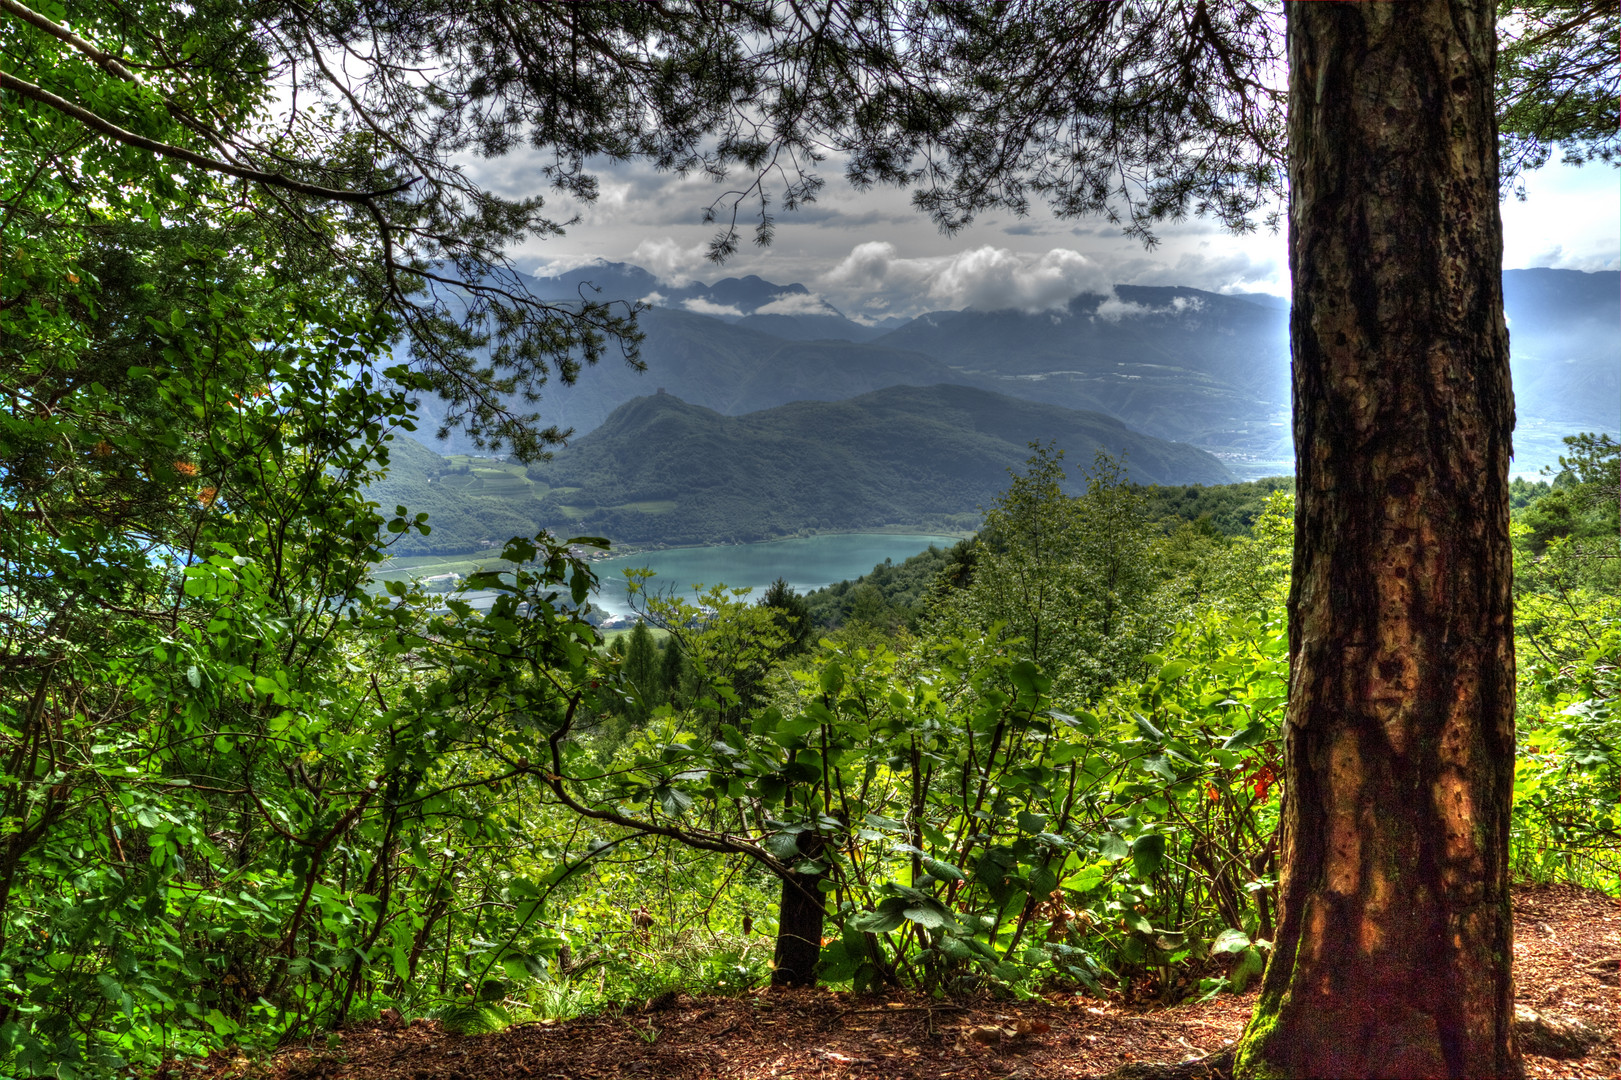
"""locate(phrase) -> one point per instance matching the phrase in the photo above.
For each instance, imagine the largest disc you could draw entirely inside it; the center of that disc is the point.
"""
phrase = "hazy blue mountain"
(1175, 362)
(596, 281)
(812, 327)
(790, 312)
(1564, 329)
(747, 294)
(622, 281)
(662, 469)
(1179, 363)
(1266, 300)
(726, 366)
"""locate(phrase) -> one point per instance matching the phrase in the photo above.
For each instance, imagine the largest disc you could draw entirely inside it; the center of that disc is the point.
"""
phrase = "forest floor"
(1567, 956)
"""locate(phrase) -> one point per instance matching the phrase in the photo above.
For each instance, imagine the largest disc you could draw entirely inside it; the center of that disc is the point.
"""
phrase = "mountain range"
(1176, 363)
(661, 470)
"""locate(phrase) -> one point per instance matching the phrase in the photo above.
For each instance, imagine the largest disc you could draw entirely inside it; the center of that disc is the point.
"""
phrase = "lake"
(807, 562)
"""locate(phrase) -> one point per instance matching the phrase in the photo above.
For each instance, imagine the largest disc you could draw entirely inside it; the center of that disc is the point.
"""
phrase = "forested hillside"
(473, 504)
(895, 595)
(730, 367)
(914, 456)
(1178, 363)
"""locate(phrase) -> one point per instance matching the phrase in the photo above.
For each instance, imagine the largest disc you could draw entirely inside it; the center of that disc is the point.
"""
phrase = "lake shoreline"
(807, 563)
(621, 551)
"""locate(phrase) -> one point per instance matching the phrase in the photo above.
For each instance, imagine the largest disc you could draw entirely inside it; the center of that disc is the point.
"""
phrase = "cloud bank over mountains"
(876, 279)
(873, 256)
(875, 283)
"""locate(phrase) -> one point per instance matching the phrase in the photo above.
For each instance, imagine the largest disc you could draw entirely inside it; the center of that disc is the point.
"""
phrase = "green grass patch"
(415, 566)
(479, 462)
(499, 485)
(609, 635)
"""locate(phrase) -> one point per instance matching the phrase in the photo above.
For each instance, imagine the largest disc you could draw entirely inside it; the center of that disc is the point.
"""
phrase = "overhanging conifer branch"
(106, 127)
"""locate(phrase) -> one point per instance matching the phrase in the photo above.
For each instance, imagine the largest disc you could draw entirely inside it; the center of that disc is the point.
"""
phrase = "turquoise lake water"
(807, 563)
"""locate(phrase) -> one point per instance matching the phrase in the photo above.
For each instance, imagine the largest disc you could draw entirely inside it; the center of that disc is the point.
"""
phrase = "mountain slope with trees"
(1173, 362)
(912, 457)
(902, 456)
(730, 367)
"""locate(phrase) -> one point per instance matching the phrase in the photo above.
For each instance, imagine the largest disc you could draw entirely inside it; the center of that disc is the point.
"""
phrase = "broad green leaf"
(1088, 879)
(836, 962)
(784, 846)
(928, 915)
(1032, 823)
(1173, 671)
(1250, 964)
(1148, 854)
(877, 922)
(1148, 730)
(1246, 737)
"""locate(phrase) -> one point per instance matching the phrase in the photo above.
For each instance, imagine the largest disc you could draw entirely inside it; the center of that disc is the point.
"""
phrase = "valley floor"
(1568, 964)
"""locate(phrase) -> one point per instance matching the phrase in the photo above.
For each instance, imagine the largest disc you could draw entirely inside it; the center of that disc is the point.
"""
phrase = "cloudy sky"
(870, 254)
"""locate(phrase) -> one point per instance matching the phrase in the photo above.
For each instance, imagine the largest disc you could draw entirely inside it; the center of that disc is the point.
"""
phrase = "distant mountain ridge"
(1179, 363)
(729, 367)
(1564, 333)
(662, 469)
(790, 312)
(1174, 362)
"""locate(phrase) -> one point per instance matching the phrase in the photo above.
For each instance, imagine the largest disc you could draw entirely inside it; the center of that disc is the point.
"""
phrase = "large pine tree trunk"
(1394, 946)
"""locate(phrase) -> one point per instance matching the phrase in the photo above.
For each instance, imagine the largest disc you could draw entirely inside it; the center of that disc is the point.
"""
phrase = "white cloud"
(668, 261)
(1570, 219)
(1220, 270)
(655, 297)
(1113, 309)
(564, 263)
(994, 279)
(708, 307)
(988, 278)
(869, 264)
(795, 304)
(1561, 259)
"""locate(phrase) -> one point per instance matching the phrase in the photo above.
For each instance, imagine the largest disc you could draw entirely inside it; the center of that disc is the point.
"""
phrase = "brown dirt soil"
(1567, 955)
(1567, 960)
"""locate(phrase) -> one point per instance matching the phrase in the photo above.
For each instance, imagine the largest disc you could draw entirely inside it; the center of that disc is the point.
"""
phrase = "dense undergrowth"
(244, 798)
(237, 817)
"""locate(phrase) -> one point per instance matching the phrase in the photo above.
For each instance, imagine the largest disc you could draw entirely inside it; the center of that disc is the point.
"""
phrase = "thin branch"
(105, 60)
(190, 157)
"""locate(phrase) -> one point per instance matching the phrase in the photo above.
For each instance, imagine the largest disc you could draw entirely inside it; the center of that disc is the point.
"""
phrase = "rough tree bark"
(1393, 954)
(800, 915)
